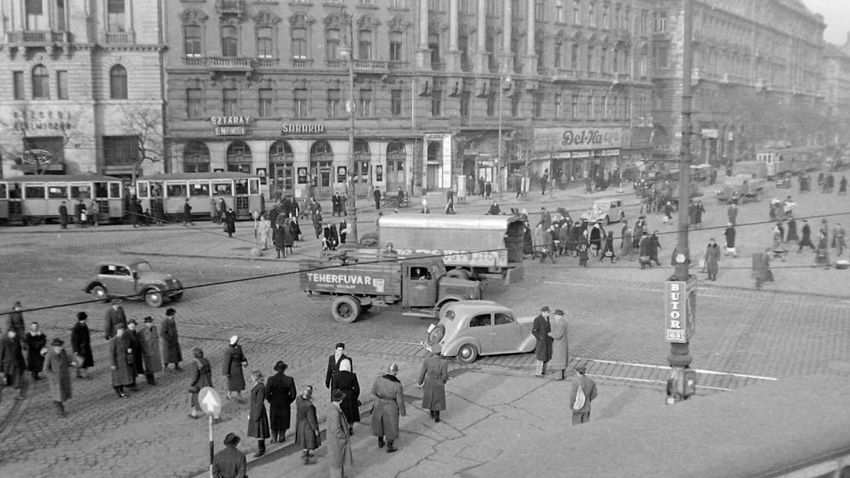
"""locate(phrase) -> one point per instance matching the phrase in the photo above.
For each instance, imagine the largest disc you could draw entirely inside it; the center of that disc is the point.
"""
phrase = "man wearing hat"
(12, 363)
(135, 340)
(258, 420)
(389, 405)
(57, 369)
(333, 363)
(151, 358)
(114, 316)
(560, 347)
(234, 360)
(229, 462)
(16, 321)
(588, 388)
(81, 345)
(543, 350)
(432, 378)
(121, 361)
(338, 437)
(171, 353)
(280, 393)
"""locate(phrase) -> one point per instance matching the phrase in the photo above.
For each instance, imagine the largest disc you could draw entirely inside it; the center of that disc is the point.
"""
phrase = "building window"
(395, 102)
(229, 43)
(40, 83)
(602, 107)
(540, 52)
(265, 43)
(539, 10)
(436, 102)
(364, 44)
(558, 105)
(434, 46)
(589, 105)
(266, 102)
(590, 53)
(661, 54)
(334, 101)
(491, 105)
(365, 106)
(606, 21)
(537, 105)
(230, 102)
(644, 19)
(332, 44)
(121, 150)
(193, 41)
(516, 9)
(558, 52)
(238, 158)
(196, 158)
(464, 104)
(398, 4)
(463, 46)
(574, 56)
(491, 7)
(194, 103)
(434, 5)
(515, 105)
(603, 60)
(300, 103)
(299, 43)
(660, 22)
(574, 107)
(18, 84)
(560, 16)
(62, 84)
(118, 83)
(591, 15)
(114, 14)
(577, 12)
(34, 7)
(60, 15)
(396, 47)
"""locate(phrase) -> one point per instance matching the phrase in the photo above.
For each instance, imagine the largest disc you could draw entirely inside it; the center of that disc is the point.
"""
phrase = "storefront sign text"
(230, 125)
(29, 120)
(680, 310)
(577, 139)
(302, 128)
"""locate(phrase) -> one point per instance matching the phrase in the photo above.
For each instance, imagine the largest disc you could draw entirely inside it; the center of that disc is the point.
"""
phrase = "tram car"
(26, 200)
(239, 191)
(786, 162)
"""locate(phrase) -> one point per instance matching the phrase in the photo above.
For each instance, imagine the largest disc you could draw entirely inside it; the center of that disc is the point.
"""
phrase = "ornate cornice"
(266, 18)
(193, 16)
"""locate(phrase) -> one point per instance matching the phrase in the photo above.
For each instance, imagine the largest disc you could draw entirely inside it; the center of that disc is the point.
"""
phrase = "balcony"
(220, 63)
(396, 65)
(302, 63)
(37, 38)
(267, 62)
(337, 63)
(230, 7)
(120, 38)
(370, 65)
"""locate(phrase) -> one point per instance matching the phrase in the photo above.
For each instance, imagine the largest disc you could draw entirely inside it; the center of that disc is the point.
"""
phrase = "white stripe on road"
(661, 367)
(657, 382)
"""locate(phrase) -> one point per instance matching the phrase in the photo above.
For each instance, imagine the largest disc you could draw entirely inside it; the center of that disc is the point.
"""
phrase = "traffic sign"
(210, 401)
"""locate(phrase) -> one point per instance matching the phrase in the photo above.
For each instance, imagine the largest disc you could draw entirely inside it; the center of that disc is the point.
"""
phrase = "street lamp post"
(499, 161)
(352, 162)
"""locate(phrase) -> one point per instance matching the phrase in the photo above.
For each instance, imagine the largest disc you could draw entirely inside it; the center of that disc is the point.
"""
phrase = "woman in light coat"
(560, 345)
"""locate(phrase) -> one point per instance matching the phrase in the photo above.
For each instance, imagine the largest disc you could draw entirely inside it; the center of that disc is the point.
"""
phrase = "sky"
(836, 14)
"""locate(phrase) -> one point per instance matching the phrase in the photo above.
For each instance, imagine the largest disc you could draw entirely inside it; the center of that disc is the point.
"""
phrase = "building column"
(507, 55)
(423, 53)
(482, 55)
(453, 56)
(218, 154)
(531, 56)
(446, 180)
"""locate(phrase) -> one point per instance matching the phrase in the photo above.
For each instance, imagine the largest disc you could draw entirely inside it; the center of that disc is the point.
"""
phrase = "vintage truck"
(747, 183)
(472, 247)
(357, 279)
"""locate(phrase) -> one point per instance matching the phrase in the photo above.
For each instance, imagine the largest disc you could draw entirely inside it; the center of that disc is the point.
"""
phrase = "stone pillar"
(453, 56)
(531, 56)
(482, 55)
(507, 55)
(423, 53)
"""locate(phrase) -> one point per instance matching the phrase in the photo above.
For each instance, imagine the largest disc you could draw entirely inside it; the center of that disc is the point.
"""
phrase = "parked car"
(468, 329)
(605, 211)
(135, 280)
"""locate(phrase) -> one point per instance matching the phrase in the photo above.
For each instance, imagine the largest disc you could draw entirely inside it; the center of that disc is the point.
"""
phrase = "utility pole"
(680, 302)
(352, 161)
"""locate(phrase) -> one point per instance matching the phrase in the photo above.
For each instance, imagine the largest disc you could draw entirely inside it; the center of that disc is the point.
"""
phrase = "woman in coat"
(712, 258)
(277, 238)
(234, 360)
(121, 360)
(171, 351)
(346, 382)
(230, 222)
(151, 358)
(280, 392)
(35, 341)
(290, 233)
(201, 373)
(81, 345)
(339, 440)
(258, 420)
(432, 378)
(57, 369)
(560, 347)
(307, 435)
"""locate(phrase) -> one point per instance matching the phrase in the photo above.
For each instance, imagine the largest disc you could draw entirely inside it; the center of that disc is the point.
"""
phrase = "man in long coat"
(280, 393)
(229, 462)
(277, 238)
(171, 353)
(135, 340)
(81, 345)
(16, 321)
(543, 350)
(388, 406)
(339, 440)
(114, 315)
(432, 378)
(333, 363)
(258, 420)
(234, 360)
(57, 369)
(63, 215)
(200, 372)
(307, 435)
(12, 363)
(712, 259)
(151, 357)
(560, 345)
(121, 361)
(806, 240)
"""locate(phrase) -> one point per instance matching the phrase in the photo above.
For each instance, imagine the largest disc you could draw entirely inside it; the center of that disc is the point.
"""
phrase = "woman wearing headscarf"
(346, 381)
(234, 360)
(307, 435)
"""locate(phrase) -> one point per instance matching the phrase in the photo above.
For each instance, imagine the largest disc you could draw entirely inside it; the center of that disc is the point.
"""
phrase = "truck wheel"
(153, 298)
(345, 309)
(467, 353)
(458, 274)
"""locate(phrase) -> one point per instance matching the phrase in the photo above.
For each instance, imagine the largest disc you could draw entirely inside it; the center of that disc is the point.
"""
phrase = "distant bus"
(239, 191)
(36, 199)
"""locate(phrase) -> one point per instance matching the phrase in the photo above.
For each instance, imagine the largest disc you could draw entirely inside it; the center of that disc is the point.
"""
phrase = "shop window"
(121, 150)
(239, 157)
(52, 146)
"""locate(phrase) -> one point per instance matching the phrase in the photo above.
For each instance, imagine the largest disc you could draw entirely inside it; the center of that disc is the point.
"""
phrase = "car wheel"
(345, 309)
(153, 298)
(467, 353)
(99, 292)
(436, 335)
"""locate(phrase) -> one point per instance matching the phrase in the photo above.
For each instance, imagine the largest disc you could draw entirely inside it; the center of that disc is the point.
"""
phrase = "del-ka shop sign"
(680, 303)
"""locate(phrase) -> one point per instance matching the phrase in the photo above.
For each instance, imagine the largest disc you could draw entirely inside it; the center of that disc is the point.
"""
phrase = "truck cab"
(425, 284)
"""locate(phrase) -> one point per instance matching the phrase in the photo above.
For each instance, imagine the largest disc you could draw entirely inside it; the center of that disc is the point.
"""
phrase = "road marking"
(656, 382)
(661, 367)
(569, 283)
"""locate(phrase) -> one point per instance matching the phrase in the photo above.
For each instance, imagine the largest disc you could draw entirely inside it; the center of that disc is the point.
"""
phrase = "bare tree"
(147, 124)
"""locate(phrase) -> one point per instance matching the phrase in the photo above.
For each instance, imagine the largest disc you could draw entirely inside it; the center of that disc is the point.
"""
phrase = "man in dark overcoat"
(543, 350)
(432, 378)
(12, 363)
(388, 406)
(258, 420)
(280, 393)
(277, 239)
(114, 315)
(81, 345)
(57, 369)
(230, 222)
(121, 361)
(229, 462)
(16, 321)
(171, 353)
(151, 358)
(307, 434)
(63, 215)
(333, 363)
(135, 340)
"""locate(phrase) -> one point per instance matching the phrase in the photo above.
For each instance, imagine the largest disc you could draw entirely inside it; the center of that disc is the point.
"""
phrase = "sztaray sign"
(230, 125)
(577, 139)
(680, 301)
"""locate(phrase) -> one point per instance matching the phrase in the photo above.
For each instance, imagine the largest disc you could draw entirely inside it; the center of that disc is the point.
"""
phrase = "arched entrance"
(396, 158)
(282, 163)
(362, 171)
(321, 169)
(239, 157)
(434, 166)
(196, 158)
